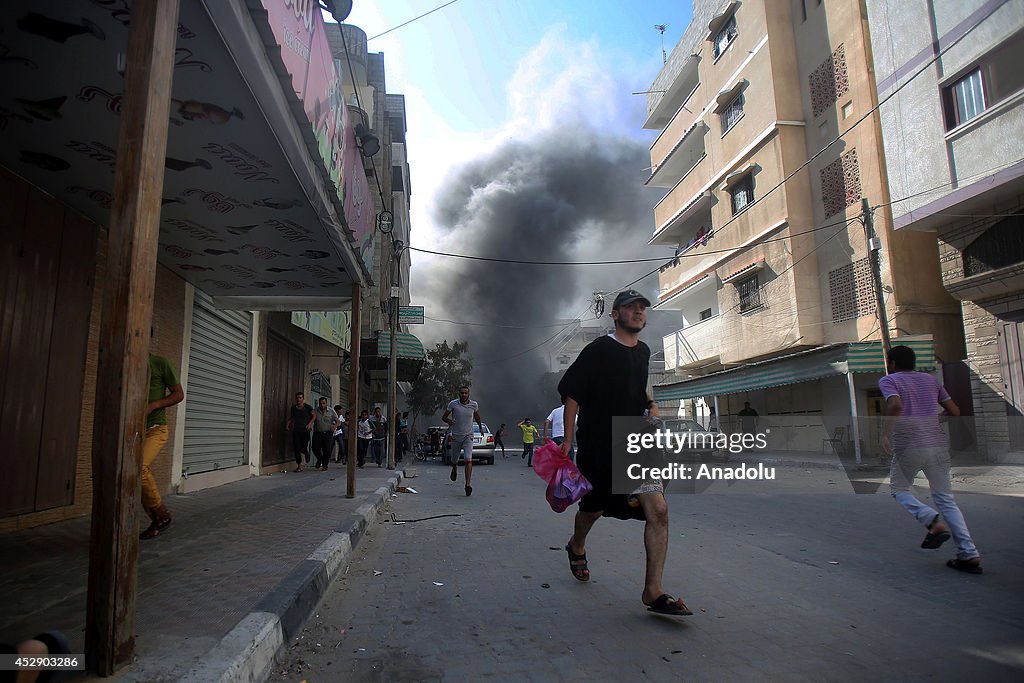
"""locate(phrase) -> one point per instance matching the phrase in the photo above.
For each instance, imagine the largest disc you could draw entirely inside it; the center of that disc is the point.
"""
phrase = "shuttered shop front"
(217, 391)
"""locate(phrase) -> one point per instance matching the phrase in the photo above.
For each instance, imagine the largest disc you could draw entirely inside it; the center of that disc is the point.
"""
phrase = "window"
(967, 98)
(994, 79)
(732, 113)
(397, 179)
(750, 294)
(742, 193)
(725, 36)
(705, 314)
(1000, 246)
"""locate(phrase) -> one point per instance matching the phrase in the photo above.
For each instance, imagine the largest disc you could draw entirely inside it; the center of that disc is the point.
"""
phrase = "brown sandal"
(155, 529)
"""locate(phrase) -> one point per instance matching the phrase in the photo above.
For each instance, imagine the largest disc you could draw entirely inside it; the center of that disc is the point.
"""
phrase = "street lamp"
(368, 142)
(339, 9)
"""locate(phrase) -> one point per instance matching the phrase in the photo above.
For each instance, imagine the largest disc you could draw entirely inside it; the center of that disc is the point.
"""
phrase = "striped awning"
(805, 366)
(407, 345)
(375, 354)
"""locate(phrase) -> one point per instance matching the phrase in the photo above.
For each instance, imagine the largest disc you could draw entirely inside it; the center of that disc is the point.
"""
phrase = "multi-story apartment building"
(772, 264)
(951, 81)
(383, 115)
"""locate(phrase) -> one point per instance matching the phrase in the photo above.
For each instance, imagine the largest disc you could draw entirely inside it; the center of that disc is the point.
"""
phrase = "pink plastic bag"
(566, 484)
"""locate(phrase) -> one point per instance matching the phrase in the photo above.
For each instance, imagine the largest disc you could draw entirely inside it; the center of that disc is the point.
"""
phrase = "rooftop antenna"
(660, 28)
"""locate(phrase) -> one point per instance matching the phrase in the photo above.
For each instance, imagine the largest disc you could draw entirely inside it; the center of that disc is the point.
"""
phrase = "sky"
(524, 142)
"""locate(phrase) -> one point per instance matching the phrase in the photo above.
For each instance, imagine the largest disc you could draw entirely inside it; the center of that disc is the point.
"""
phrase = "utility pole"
(874, 244)
(392, 383)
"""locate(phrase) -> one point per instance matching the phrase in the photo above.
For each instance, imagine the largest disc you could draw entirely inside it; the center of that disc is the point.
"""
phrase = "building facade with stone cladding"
(767, 146)
(952, 127)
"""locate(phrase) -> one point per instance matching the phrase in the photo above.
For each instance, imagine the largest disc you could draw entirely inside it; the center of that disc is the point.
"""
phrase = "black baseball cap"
(628, 297)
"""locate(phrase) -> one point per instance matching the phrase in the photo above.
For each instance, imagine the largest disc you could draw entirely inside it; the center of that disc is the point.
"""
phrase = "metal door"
(217, 388)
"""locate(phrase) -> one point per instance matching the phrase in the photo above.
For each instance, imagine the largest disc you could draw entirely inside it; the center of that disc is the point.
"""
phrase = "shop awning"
(805, 366)
(376, 353)
(265, 202)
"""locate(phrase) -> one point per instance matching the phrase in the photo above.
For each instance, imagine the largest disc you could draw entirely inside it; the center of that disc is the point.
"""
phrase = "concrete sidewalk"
(236, 575)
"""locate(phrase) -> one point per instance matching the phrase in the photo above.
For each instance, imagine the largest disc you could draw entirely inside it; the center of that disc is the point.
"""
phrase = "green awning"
(805, 366)
(375, 354)
(407, 345)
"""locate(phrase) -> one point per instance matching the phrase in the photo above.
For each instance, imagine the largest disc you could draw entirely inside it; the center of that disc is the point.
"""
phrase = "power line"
(493, 259)
(508, 327)
(662, 259)
(406, 23)
(856, 123)
(355, 91)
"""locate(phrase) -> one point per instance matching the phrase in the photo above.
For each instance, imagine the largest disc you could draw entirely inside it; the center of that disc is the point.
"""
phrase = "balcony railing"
(698, 342)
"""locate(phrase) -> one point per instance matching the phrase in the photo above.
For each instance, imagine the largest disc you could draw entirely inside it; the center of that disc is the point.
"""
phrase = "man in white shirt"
(554, 425)
(461, 413)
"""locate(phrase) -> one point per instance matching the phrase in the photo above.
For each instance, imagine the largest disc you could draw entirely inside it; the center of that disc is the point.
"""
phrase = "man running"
(529, 437)
(608, 379)
(461, 413)
(913, 435)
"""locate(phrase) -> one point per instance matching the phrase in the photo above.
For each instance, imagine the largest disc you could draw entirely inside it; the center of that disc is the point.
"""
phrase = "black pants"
(364, 445)
(322, 442)
(378, 451)
(528, 451)
(300, 442)
(342, 448)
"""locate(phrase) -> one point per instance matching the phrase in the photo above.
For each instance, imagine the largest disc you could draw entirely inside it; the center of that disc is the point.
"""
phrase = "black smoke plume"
(564, 195)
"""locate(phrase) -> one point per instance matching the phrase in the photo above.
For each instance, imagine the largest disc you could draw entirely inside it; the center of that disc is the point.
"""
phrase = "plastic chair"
(838, 446)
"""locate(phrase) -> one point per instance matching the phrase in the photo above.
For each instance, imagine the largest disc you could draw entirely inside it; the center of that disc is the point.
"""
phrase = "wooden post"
(123, 377)
(353, 392)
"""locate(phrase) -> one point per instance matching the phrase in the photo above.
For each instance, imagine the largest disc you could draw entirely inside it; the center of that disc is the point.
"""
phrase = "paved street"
(784, 584)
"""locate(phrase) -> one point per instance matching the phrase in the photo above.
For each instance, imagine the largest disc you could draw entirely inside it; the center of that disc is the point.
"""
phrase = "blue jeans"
(934, 462)
(572, 450)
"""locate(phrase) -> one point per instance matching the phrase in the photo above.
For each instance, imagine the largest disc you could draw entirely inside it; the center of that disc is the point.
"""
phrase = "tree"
(444, 371)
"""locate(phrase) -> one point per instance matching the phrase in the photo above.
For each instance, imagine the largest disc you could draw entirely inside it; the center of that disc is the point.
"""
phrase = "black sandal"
(965, 566)
(673, 607)
(580, 571)
(932, 541)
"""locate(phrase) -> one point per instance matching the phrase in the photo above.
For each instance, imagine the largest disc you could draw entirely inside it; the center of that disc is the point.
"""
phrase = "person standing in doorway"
(529, 436)
(914, 436)
(748, 419)
(554, 426)
(300, 421)
(324, 423)
(339, 436)
(498, 438)
(609, 379)
(364, 436)
(164, 391)
(460, 414)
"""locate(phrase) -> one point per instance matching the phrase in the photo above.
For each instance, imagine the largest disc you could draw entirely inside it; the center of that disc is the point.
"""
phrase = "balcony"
(683, 227)
(683, 196)
(678, 87)
(693, 346)
(675, 162)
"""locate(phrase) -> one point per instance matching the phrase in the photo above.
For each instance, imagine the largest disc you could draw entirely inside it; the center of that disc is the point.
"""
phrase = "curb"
(248, 651)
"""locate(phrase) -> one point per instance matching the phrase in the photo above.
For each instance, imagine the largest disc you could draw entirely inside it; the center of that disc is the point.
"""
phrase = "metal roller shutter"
(217, 391)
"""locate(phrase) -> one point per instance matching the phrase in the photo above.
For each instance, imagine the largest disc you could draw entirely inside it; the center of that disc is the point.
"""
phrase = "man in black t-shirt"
(609, 379)
(300, 421)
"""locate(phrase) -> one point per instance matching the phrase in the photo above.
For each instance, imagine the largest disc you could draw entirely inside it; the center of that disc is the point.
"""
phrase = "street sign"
(410, 315)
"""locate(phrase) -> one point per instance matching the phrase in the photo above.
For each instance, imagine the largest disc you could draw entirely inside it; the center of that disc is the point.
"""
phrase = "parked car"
(700, 441)
(483, 446)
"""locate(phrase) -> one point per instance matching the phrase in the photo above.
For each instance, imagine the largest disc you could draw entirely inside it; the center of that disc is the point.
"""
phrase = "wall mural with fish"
(234, 218)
